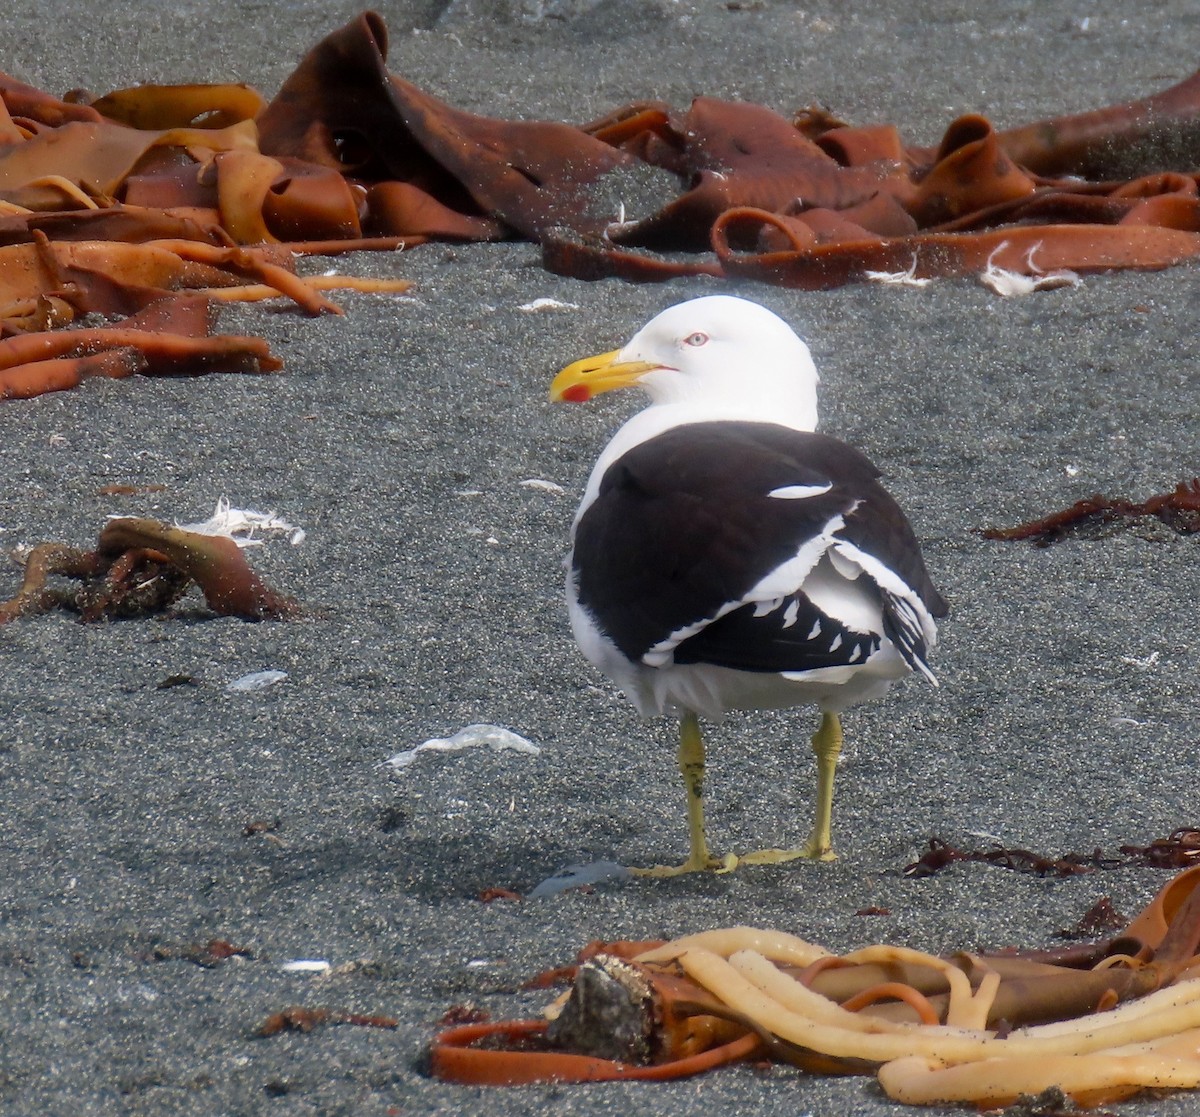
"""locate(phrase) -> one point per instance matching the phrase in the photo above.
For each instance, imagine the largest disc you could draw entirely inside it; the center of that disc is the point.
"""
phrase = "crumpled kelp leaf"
(146, 194)
(347, 150)
(157, 324)
(342, 108)
(807, 202)
(1097, 1022)
(348, 155)
(139, 567)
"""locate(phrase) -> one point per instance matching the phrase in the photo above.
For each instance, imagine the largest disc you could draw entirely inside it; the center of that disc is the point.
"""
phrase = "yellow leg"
(691, 767)
(827, 744)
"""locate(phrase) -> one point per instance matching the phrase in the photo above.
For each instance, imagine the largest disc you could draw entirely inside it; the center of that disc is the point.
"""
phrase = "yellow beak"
(589, 377)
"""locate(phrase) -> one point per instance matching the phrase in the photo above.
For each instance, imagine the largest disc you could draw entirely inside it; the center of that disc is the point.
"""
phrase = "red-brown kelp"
(348, 155)
(869, 202)
(151, 192)
(364, 151)
(1179, 509)
(140, 567)
(981, 1028)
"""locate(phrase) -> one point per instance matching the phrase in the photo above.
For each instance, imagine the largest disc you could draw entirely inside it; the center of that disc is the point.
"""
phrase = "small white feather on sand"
(543, 485)
(243, 524)
(256, 680)
(1012, 284)
(495, 737)
(546, 304)
(305, 965)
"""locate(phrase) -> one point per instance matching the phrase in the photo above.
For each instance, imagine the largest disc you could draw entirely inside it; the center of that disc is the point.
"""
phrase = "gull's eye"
(696, 340)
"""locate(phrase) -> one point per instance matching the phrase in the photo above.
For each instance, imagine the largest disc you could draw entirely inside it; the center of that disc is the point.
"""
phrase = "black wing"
(684, 524)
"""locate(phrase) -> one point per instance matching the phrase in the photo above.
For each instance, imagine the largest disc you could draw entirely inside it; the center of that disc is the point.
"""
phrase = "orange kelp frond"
(349, 155)
(141, 567)
(349, 150)
(214, 562)
(977, 1028)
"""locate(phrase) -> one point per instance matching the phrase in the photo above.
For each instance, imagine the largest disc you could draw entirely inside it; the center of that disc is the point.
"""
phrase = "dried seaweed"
(1099, 919)
(141, 567)
(349, 155)
(1179, 509)
(1179, 850)
(1041, 1031)
(941, 854)
(207, 955)
(296, 1018)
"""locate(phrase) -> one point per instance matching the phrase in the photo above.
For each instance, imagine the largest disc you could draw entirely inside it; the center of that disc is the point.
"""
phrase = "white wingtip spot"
(800, 492)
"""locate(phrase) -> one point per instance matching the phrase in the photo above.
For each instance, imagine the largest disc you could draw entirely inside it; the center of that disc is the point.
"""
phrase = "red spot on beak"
(577, 393)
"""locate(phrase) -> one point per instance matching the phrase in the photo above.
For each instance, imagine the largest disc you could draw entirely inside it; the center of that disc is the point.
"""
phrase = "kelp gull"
(725, 556)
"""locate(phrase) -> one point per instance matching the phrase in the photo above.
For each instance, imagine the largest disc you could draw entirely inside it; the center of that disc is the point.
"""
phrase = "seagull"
(725, 556)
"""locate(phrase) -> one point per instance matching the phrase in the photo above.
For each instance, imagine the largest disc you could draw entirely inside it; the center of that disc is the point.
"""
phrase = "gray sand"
(399, 437)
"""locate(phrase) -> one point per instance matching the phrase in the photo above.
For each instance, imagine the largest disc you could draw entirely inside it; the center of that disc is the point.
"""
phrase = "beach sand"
(401, 436)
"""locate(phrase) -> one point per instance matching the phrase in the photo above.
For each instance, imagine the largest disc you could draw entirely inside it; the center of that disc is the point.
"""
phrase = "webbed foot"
(812, 850)
(694, 864)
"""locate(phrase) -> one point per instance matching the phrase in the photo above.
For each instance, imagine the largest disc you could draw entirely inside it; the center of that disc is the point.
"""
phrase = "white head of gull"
(716, 357)
(726, 556)
(727, 356)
